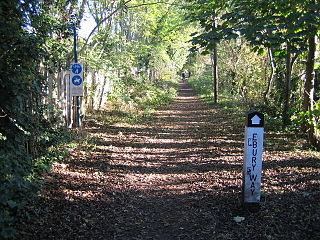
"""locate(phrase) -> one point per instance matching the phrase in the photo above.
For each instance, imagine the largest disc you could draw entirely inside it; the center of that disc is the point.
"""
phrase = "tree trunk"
(312, 132)
(92, 86)
(287, 88)
(271, 76)
(102, 92)
(214, 64)
(290, 60)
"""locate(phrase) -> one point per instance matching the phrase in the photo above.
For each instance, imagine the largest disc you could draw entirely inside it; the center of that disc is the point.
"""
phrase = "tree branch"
(102, 21)
(81, 10)
(115, 11)
(148, 4)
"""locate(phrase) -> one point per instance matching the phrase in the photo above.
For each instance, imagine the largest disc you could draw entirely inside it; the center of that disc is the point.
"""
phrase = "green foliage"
(279, 28)
(136, 98)
(229, 102)
(202, 85)
(25, 132)
(242, 72)
(142, 47)
(21, 172)
(137, 50)
(304, 118)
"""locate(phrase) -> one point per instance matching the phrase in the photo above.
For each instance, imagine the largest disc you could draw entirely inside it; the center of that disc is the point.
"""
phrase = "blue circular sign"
(76, 80)
(76, 68)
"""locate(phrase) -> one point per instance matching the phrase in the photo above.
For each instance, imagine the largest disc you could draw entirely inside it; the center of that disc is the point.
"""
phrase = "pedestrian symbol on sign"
(76, 68)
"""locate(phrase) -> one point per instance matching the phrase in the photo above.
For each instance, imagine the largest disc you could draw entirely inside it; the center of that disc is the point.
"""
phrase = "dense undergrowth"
(228, 101)
(231, 101)
(134, 100)
(21, 182)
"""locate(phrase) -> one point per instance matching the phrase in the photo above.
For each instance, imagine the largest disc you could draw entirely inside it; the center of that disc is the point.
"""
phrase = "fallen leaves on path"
(176, 176)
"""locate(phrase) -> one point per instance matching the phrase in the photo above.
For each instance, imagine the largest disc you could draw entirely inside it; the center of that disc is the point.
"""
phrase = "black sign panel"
(254, 119)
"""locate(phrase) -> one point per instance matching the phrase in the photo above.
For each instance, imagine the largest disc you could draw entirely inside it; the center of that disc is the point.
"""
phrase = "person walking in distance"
(183, 76)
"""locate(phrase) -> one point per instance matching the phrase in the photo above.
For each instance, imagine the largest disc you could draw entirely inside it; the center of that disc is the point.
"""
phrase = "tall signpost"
(252, 167)
(76, 80)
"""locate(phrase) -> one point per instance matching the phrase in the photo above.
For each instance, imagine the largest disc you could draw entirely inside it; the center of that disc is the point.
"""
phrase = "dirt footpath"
(176, 176)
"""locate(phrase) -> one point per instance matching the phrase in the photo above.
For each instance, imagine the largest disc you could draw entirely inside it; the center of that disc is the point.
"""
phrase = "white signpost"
(76, 79)
(253, 148)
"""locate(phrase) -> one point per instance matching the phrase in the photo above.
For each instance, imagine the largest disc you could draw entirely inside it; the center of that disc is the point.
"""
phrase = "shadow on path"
(177, 176)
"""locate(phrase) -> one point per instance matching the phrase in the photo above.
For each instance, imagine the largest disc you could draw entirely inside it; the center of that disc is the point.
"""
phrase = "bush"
(202, 85)
(137, 98)
(22, 169)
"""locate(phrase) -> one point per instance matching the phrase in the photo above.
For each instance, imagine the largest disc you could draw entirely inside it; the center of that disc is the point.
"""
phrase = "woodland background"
(260, 54)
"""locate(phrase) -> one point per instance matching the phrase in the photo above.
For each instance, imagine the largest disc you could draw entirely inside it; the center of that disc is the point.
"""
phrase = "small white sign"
(252, 167)
(76, 79)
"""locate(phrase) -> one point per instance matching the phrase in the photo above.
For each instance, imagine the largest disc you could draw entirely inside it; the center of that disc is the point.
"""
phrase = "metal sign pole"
(78, 100)
(75, 43)
(253, 148)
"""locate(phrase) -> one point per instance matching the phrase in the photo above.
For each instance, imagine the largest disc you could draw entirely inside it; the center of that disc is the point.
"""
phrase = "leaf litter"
(176, 176)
